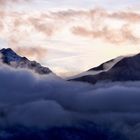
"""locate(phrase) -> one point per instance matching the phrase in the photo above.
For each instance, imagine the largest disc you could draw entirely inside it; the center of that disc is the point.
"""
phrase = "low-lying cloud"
(31, 100)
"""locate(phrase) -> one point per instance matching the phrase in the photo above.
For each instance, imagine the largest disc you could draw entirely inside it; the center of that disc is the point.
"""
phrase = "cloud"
(35, 53)
(129, 16)
(36, 95)
(46, 101)
(71, 30)
(42, 27)
(4, 2)
(115, 36)
(96, 24)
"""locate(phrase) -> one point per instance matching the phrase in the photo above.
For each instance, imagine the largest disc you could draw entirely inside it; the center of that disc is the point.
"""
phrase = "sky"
(70, 36)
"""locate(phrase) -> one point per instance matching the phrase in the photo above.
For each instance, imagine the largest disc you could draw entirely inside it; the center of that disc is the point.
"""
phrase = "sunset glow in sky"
(70, 36)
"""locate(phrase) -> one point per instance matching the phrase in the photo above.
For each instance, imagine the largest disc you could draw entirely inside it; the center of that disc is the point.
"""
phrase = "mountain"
(9, 57)
(123, 69)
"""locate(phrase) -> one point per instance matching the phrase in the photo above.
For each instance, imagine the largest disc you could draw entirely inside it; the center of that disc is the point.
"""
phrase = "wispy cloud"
(36, 52)
(42, 26)
(128, 16)
(116, 36)
(4, 2)
(96, 23)
(71, 28)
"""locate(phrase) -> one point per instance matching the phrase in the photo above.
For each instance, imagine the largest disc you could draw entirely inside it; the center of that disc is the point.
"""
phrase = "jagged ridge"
(9, 57)
(127, 69)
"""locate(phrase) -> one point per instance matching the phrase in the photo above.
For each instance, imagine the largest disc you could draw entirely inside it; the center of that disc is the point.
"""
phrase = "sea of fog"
(50, 108)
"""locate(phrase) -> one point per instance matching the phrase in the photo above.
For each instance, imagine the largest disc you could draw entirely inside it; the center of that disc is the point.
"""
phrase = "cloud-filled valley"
(31, 100)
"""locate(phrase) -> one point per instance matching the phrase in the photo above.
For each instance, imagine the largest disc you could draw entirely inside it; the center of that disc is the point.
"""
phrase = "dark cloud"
(42, 101)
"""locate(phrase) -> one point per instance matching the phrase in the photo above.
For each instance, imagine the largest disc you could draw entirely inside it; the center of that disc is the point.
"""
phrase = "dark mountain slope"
(127, 69)
(9, 57)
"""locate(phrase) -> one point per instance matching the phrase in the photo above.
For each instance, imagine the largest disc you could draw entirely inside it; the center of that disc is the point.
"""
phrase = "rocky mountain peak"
(12, 59)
